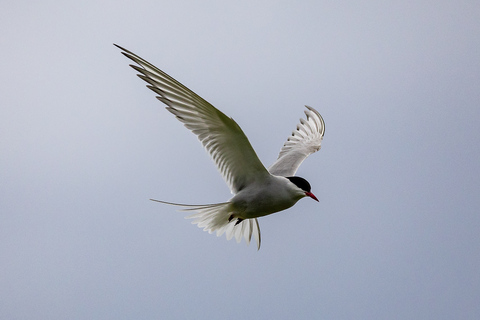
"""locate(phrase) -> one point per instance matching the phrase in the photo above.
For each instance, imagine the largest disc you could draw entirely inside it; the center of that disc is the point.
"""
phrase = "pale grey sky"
(84, 145)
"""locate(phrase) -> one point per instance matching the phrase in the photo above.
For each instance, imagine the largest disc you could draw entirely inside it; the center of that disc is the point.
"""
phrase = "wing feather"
(220, 135)
(304, 141)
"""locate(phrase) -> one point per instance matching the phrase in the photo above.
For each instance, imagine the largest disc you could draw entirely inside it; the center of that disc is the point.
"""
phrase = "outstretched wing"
(220, 135)
(304, 141)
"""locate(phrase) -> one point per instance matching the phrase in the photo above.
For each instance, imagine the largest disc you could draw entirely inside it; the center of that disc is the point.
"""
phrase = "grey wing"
(220, 135)
(304, 141)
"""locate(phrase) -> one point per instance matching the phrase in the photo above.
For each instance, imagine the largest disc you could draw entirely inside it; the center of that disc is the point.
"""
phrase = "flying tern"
(257, 191)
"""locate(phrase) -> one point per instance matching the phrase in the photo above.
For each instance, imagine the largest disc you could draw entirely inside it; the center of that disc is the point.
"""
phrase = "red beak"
(311, 195)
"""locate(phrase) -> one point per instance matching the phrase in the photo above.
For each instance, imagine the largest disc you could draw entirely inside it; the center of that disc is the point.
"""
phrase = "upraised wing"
(220, 135)
(304, 141)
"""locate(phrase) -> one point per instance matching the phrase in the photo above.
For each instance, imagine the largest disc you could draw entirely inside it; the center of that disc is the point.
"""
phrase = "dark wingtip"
(122, 48)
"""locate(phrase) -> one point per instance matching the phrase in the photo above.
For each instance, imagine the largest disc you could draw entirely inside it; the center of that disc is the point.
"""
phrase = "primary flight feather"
(257, 191)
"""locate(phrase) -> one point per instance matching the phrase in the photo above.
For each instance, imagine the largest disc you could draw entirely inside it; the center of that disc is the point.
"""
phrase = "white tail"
(216, 217)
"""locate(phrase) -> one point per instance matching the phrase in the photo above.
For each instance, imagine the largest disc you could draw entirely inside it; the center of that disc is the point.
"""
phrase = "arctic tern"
(257, 191)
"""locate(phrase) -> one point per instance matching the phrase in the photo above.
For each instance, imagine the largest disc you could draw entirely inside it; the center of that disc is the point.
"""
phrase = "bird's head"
(303, 185)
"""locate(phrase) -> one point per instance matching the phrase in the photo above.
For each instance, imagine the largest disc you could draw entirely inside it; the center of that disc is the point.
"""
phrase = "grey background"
(84, 145)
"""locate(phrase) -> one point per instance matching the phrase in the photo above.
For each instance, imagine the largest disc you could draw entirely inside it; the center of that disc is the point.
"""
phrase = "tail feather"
(215, 217)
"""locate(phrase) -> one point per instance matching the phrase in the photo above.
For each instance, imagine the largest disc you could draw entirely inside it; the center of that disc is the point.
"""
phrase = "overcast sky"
(84, 145)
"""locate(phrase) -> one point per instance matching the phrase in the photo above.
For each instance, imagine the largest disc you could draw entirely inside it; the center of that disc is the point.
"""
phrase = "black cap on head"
(301, 183)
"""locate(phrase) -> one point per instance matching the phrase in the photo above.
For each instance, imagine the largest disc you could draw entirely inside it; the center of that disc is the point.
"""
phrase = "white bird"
(257, 191)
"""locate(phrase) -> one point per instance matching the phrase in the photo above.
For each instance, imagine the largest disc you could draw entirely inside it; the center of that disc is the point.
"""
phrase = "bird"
(257, 191)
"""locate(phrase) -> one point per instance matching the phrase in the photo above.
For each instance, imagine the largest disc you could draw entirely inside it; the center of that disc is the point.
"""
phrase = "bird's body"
(278, 194)
(257, 191)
